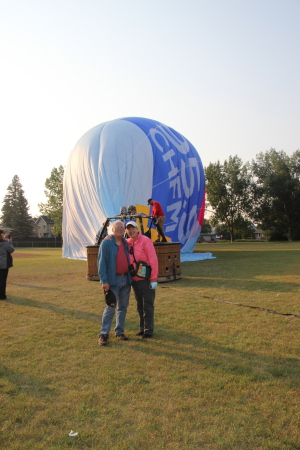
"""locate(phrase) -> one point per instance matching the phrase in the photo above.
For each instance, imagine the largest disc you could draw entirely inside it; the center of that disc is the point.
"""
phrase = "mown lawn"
(222, 372)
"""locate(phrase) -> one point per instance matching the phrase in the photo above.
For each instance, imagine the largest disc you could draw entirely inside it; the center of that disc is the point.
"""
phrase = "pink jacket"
(144, 251)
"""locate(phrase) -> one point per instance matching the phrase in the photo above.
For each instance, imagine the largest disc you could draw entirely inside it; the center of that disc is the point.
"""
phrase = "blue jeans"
(122, 293)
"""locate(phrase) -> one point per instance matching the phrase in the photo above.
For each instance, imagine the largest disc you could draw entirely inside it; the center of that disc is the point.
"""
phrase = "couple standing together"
(115, 255)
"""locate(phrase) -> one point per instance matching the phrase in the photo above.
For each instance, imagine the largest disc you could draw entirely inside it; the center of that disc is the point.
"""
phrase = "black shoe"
(121, 337)
(140, 333)
(147, 336)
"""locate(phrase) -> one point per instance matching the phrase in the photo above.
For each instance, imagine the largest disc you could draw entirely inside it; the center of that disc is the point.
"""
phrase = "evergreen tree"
(54, 206)
(15, 213)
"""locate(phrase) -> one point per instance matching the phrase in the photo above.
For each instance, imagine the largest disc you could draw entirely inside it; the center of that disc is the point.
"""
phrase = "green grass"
(216, 375)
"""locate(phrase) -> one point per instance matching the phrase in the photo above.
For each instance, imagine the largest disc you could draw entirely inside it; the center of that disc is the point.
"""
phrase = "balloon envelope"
(125, 162)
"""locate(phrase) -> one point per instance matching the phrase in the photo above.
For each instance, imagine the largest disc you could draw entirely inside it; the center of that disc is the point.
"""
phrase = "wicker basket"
(168, 255)
(92, 260)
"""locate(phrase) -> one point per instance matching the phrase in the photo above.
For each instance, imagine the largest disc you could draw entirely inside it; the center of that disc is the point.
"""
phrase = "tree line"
(265, 192)
(15, 209)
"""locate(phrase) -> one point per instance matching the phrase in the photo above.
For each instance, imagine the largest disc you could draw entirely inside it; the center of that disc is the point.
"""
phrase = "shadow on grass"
(23, 383)
(251, 366)
(43, 288)
(237, 284)
(83, 315)
(250, 271)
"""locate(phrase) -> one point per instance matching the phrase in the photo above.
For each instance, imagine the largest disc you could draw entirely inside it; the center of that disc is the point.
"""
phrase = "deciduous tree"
(54, 206)
(228, 188)
(277, 192)
(206, 227)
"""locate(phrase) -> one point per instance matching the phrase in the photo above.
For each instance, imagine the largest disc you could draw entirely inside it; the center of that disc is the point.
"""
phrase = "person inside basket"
(103, 232)
(113, 260)
(157, 211)
(144, 260)
(6, 248)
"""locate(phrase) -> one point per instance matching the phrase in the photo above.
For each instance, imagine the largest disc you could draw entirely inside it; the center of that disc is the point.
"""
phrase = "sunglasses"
(131, 250)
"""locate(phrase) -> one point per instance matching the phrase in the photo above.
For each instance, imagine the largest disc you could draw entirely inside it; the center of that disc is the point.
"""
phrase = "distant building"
(43, 227)
(208, 237)
(258, 234)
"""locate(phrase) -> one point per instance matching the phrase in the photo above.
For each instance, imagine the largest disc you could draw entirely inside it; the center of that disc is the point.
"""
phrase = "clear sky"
(224, 73)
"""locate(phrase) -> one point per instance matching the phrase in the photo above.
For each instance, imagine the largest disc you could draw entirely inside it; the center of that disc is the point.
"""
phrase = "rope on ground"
(237, 304)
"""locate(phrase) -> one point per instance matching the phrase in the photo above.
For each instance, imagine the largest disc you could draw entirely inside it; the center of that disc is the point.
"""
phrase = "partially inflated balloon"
(125, 162)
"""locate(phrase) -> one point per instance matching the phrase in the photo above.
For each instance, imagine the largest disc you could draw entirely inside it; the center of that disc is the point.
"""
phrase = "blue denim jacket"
(107, 261)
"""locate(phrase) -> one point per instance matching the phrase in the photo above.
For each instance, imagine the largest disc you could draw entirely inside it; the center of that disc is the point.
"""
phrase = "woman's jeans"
(122, 293)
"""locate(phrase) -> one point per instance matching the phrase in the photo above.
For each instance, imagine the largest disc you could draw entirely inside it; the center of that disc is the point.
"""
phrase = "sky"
(223, 73)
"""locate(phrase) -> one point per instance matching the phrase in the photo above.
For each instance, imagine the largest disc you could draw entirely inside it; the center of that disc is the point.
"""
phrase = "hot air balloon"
(125, 162)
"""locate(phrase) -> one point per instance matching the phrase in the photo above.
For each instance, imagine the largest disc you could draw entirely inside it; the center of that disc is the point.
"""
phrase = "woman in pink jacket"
(141, 248)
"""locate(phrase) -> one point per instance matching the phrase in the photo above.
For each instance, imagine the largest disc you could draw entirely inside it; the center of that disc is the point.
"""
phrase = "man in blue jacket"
(113, 260)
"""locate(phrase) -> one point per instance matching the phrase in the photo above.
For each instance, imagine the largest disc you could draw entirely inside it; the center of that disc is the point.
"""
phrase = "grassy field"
(216, 375)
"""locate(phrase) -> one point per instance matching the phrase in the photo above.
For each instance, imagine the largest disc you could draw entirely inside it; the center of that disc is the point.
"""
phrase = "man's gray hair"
(116, 222)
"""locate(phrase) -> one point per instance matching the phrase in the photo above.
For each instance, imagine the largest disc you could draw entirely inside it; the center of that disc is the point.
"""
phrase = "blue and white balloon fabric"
(124, 162)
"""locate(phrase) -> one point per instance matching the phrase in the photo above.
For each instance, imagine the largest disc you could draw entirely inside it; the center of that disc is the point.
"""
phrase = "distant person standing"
(6, 248)
(157, 211)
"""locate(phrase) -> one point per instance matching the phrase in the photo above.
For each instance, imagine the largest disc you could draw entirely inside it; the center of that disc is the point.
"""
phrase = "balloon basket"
(168, 255)
(92, 261)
